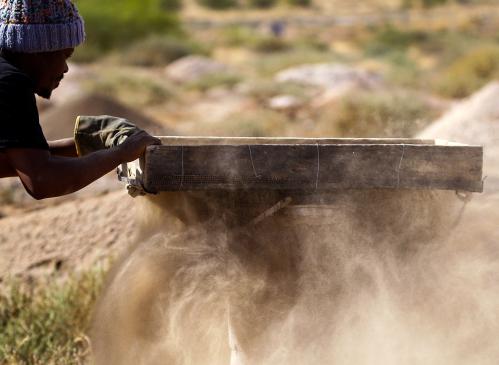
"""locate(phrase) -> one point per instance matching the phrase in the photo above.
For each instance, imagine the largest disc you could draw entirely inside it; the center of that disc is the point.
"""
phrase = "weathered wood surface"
(312, 167)
(205, 141)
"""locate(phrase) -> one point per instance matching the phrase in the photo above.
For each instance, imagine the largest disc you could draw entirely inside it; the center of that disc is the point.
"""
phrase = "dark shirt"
(19, 122)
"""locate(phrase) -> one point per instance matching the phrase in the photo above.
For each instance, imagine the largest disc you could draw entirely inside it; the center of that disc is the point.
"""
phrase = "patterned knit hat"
(30, 26)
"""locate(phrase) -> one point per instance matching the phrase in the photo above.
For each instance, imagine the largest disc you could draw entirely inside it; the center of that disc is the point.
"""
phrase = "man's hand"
(134, 146)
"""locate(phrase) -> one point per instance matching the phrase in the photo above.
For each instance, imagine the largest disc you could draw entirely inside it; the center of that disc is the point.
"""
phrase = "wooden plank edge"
(213, 140)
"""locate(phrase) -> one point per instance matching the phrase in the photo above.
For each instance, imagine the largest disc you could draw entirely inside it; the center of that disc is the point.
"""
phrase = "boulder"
(192, 68)
(330, 76)
(285, 102)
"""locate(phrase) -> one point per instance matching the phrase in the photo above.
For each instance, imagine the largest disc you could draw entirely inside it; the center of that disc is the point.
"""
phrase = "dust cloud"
(351, 277)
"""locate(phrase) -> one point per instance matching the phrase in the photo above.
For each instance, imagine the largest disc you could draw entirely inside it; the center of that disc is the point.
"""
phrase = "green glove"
(93, 133)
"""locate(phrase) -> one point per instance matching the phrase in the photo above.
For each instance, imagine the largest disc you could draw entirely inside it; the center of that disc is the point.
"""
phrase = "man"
(36, 39)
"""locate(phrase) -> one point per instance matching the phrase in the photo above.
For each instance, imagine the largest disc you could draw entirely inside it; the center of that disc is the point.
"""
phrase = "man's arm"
(63, 147)
(45, 176)
(6, 169)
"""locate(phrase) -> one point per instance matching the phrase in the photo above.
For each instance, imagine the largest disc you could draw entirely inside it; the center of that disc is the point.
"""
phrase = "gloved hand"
(93, 133)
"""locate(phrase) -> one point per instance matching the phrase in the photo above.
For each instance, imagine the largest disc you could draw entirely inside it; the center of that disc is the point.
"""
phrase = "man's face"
(48, 70)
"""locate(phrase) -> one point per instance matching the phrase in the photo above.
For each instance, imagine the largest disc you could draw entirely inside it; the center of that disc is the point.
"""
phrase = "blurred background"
(309, 68)
(283, 67)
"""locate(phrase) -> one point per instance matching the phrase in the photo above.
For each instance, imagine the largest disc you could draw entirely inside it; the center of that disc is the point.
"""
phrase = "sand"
(66, 237)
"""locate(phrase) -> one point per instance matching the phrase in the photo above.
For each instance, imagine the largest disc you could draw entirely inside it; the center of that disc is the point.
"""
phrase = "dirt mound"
(58, 121)
(474, 121)
(70, 236)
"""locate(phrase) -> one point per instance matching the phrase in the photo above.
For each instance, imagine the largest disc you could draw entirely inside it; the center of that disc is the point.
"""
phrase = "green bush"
(218, 4)
(403, 70)
(312, 43)
(376, 115)
(116, 23)
(159, 50)
(303, 3)
(390, 38)
(170, 5)
(264, 4)
(270, 45)
(237, 36)
(46, 323)
(214, 80)
(422, 3)
(470, 72)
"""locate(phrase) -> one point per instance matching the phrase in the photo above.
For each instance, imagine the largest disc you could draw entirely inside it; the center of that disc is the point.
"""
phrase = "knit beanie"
(30, 26)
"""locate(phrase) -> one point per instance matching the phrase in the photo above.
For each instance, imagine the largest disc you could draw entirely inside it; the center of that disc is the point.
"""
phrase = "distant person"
(36, 39)
(277, 27)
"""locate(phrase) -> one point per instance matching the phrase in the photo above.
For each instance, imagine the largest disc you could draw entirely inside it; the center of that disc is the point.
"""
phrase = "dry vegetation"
(45, 322)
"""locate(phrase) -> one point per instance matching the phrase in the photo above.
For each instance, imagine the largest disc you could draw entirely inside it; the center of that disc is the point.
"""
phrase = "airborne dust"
(366, 277)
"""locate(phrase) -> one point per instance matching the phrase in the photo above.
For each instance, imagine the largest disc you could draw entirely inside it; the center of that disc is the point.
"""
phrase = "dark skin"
(59, 171)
